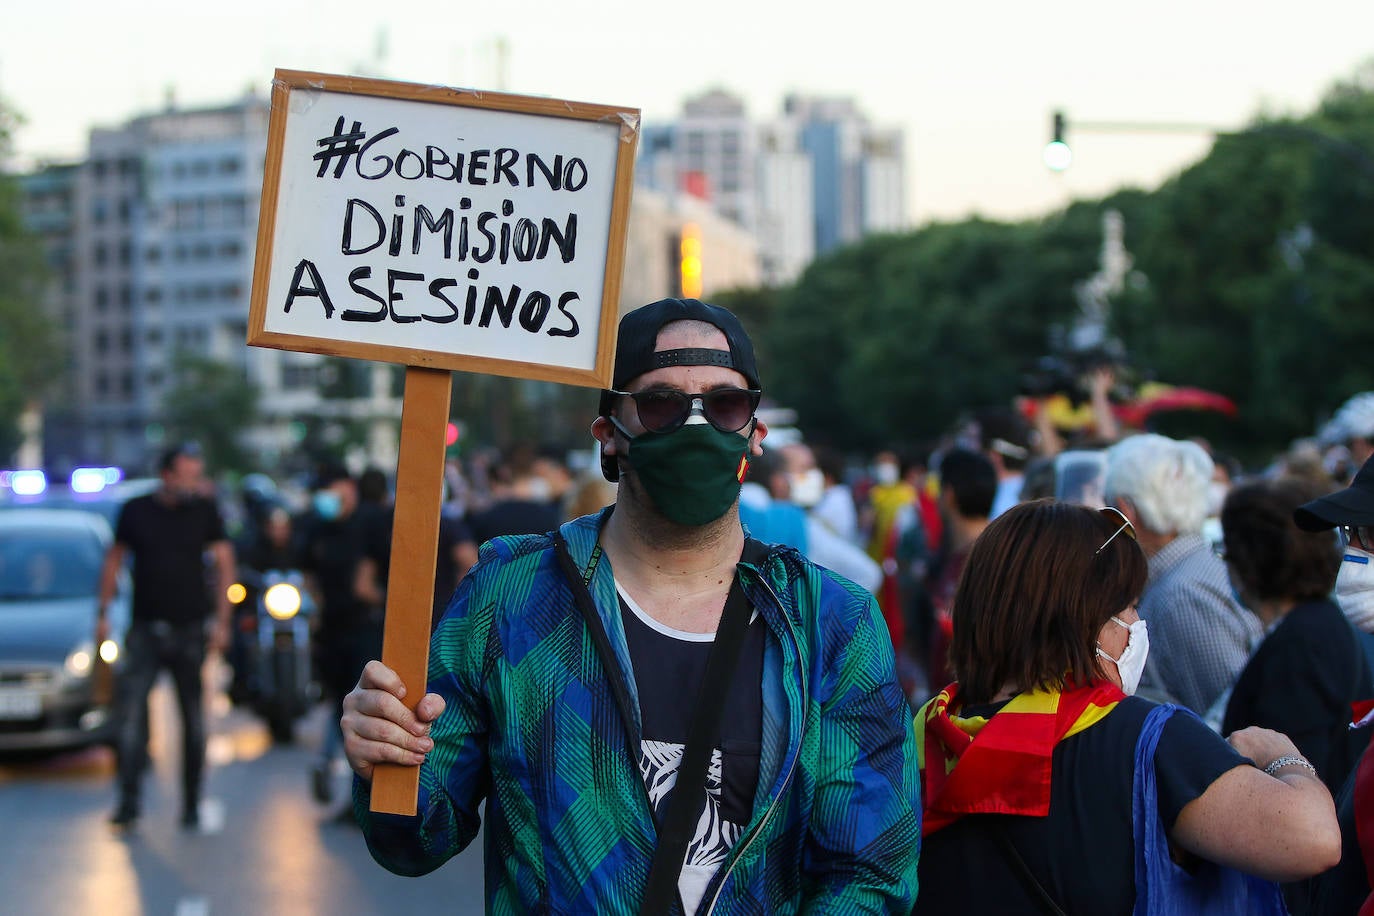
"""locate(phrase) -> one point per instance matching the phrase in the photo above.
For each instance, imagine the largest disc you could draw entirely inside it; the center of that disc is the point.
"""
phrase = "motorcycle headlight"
(236, 593)
(109, 651)
(282, 601)
(80, 659)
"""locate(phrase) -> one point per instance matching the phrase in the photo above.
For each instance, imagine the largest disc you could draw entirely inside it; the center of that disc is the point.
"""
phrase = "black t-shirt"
(513, 516)
(668, 670)
(1083, 851)
(1301, 682)
(168, 542)
(330, 552)
(452, 532)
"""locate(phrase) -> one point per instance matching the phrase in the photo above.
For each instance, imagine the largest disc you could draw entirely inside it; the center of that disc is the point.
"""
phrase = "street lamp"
(1058, 156)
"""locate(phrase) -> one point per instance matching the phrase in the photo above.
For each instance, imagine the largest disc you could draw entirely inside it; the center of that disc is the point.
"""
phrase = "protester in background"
(768, 514)
(1201, 635)
(1037, 760)
(526, 710)
(1345, 889)
(348, 631)
(1352, 427)
(168, 533)
(523, 504)
(968, 487)
(836, 508)
(1005, 438)
(888, 501)
(274, 546)
(1309, 669)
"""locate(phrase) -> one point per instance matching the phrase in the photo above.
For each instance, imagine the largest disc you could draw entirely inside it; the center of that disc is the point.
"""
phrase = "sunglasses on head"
(662, 410)
(1115, 515)
(1362, 536)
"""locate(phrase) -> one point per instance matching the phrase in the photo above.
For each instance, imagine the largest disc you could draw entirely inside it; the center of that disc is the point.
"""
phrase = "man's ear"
(756, 437)
(604, 432)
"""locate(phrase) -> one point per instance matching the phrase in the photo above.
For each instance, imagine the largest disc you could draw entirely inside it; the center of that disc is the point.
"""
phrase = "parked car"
(56, 684)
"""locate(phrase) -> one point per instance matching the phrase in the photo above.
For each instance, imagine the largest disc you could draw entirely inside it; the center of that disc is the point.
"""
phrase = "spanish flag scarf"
(1001, 765)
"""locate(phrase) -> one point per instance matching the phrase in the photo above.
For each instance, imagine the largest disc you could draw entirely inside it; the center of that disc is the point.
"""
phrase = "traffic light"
(689, 265)
(1058, 156)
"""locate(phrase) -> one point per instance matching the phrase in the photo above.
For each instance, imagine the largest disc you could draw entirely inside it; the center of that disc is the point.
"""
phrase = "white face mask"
(886, 473)
(808, 487)
(1131, 665)
(1355, 588)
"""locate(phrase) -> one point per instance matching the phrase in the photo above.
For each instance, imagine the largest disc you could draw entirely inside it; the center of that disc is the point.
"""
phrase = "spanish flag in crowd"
(1001, 765)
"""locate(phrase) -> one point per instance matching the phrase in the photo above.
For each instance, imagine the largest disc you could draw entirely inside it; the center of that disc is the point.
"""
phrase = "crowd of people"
(1018, 670)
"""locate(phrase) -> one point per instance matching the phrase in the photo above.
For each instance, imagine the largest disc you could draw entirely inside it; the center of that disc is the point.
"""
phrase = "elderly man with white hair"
(1200, 635)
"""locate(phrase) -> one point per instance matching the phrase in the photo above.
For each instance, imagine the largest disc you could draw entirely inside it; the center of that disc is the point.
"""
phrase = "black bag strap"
(689, 789)
(1018, 864)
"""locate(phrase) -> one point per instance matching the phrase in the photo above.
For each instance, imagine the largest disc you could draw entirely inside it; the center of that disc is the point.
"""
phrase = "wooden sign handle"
(414, 551)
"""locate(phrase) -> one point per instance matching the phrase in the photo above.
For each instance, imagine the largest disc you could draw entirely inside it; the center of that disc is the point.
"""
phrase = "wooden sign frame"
(293, 86)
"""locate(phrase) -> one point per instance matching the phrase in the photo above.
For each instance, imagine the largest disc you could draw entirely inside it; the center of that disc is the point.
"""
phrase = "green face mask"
(692, 474)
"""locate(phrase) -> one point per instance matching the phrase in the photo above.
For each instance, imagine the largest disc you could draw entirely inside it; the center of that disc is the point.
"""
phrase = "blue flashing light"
(28, 483)
(88, 480)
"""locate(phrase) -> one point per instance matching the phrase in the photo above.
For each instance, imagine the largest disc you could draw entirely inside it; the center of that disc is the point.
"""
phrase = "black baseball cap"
(636, 342)
(638, 337)
(1353, 506)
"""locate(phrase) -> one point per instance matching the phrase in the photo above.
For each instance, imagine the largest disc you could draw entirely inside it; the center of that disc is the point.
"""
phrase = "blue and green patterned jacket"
(532, 727)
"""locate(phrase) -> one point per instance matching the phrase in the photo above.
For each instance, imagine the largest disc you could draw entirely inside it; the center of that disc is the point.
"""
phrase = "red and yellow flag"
(1001, 765)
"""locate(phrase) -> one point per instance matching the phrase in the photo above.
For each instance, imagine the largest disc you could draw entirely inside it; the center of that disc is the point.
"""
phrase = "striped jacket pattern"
(531, 727)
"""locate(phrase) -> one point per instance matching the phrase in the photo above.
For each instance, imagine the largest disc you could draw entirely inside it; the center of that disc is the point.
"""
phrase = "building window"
(99, 210)
(99, 255)
(102, 298)
(126, 384)
(126, 297)
(154, 337)
(153, 295)
(102, 342)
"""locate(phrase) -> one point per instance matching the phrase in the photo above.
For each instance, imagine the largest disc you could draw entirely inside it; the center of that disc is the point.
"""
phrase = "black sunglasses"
(1362, 536)
(662, 410)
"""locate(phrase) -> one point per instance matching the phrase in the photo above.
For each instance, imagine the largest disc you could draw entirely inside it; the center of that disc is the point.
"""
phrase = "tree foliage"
(1255, 271)
(30, 348)
(212, 403)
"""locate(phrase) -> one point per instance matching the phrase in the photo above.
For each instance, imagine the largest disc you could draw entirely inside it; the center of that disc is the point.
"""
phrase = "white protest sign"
(443, 228)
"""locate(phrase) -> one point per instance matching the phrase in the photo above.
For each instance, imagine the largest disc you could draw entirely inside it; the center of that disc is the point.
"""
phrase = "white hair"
(1165, 479)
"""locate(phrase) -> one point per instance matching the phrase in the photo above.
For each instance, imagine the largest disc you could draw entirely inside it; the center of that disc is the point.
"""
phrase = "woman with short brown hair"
(1033, 759)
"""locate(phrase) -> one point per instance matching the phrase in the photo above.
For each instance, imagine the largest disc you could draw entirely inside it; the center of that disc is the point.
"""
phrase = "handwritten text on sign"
(442, 228)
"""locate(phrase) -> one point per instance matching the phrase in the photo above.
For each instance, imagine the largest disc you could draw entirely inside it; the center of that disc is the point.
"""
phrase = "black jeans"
(150, 647)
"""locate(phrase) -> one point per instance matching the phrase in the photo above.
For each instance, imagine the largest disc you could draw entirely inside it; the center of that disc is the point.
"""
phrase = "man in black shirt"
(167, 533)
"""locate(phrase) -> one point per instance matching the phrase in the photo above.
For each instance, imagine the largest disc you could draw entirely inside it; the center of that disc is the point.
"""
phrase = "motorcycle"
(273, 647)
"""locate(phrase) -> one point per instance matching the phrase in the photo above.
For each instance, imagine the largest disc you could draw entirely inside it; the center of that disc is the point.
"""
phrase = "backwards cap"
(634, 350)
(638, 337)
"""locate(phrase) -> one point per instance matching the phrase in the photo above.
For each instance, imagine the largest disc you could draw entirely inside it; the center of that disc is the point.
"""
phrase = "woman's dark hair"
(1036, 590)
(1268, 554)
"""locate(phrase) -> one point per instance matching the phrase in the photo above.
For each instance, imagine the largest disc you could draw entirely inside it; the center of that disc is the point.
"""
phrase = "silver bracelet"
(1289, 760)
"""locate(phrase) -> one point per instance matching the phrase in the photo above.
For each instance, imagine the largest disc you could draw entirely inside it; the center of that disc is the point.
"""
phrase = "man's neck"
(678, 575)
(1152, 543)
(963, 531)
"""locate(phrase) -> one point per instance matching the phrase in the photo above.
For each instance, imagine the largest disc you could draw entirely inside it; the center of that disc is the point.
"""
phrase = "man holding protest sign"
(578, 678)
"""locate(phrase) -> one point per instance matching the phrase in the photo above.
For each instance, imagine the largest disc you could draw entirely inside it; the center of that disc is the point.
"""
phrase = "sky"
(972, 84)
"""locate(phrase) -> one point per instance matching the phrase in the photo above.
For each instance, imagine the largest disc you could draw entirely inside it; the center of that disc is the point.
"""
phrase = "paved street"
(266, 846)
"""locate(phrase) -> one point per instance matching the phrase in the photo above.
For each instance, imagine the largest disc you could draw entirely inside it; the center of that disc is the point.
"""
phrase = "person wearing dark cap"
(168, 533)
(1346, 888)
(662, 715)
